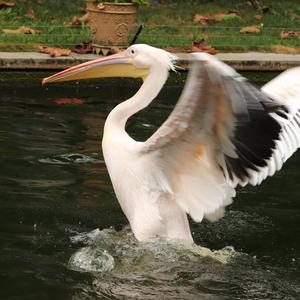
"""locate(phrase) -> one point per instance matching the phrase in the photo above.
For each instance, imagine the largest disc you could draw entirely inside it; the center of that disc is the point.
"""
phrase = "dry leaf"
(252, 29)
(30, 14)
(7, 4)
(265, 9)
(54, 52)
(234, 11)
(217, 17)
(289, 34)
(61, 101)
(285, 50)
(258, 17)
(85, 19)
(199, 46)
(254, 3)
(203, 20)
(21, 30)
(77, 21)
(53, 20)
(101, 6)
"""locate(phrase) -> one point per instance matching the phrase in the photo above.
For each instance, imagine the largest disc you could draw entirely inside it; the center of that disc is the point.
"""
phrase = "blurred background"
(239, 25)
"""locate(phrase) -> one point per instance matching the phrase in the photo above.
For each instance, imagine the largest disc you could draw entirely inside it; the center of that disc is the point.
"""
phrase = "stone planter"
(110, 23)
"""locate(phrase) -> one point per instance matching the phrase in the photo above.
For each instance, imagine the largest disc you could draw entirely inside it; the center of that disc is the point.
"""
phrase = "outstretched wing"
(222, 132)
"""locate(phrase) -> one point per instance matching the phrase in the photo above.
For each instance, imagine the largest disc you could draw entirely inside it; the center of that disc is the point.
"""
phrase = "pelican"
(223, 132)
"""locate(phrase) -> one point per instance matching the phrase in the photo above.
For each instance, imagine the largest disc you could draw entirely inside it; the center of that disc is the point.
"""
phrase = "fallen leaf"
(54, 52)
(77, 21)
(265, 9)
(289, 34)
(285, 50)
(21, 30)
(203, 20)
(7, 4)
(85, 19)
(217, 17)
(30, 14)
(254, 3)
(62, 101)
(252, 29)
(101, 6)
(258, 17)
(53, 20)
(199, 46)
(234, 11)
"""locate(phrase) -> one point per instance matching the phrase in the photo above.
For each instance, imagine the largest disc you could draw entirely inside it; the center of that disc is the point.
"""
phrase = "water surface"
(64, 236)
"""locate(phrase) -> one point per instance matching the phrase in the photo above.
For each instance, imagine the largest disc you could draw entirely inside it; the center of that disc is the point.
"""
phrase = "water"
(63, 235)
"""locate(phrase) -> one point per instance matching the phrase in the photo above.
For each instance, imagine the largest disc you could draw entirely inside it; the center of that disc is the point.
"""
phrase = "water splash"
(124, 268)
(92, 259)
(108, 249)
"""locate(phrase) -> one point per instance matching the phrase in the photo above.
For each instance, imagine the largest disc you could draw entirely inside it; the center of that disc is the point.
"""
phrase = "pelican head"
(135, 62)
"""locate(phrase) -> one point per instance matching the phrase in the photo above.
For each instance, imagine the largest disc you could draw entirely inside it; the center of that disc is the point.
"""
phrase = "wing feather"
(222, 132)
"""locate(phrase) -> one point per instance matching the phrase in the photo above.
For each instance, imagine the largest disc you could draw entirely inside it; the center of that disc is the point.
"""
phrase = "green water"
(64, 236)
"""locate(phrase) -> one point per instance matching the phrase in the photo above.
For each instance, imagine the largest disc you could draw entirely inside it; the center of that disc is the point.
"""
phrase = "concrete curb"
(251, 61)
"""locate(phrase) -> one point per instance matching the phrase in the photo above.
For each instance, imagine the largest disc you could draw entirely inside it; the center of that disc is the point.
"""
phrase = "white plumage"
(222, 132)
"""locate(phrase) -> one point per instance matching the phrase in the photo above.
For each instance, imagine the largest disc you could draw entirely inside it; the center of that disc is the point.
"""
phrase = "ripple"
(71, 158)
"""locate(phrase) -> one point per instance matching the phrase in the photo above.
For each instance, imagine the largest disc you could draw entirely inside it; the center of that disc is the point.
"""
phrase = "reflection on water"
(55, 192)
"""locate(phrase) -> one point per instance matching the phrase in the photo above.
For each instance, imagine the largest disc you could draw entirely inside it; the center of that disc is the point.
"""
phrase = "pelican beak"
(117, 65)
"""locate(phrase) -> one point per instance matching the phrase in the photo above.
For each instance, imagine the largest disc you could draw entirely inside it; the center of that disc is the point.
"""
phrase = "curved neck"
(144, 96)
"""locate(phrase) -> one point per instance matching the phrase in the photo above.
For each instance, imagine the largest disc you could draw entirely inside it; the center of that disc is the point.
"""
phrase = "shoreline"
(249, 61)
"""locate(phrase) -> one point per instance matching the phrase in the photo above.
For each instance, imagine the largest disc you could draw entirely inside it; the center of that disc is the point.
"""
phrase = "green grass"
(168, 25)
(53, 18)
(174, 26)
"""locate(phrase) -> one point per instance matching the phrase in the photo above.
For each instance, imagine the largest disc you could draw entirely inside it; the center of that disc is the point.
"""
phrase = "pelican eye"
(132, 51)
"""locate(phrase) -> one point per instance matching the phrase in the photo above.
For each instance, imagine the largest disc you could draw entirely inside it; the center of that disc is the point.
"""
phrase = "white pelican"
(223, 132)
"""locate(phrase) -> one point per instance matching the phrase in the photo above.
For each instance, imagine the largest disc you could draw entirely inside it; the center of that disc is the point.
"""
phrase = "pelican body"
(223, 132)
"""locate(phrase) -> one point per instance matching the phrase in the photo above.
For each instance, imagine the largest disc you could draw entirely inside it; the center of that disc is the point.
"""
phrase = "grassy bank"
(168, 25)
(174, 26)
(52, 18)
